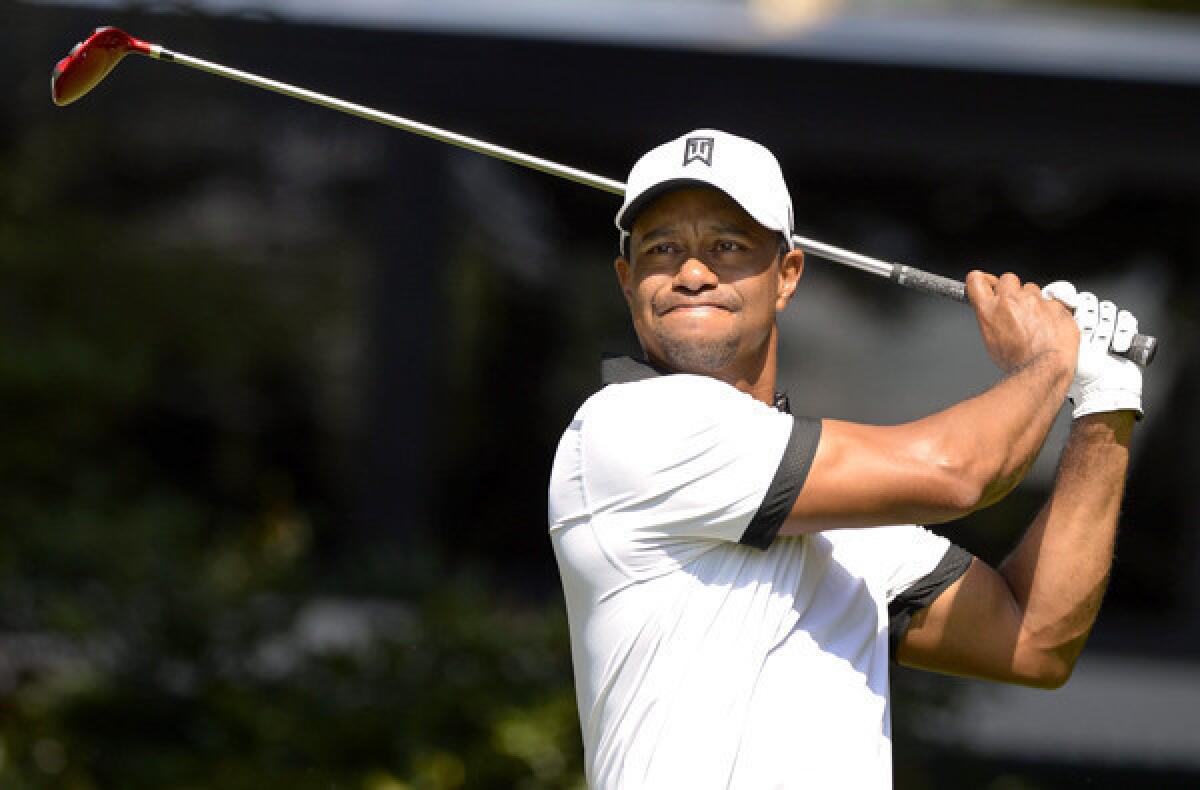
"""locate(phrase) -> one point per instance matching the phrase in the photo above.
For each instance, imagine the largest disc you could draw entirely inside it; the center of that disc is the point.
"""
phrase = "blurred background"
(281, 388)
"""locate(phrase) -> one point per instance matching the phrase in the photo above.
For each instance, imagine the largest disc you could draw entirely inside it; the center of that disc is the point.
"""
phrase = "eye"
(662, 248)
(728, 245)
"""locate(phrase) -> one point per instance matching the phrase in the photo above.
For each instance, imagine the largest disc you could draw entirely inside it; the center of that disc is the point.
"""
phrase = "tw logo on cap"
(698, 149)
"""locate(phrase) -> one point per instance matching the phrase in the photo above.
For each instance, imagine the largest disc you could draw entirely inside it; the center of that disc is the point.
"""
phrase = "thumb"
(1063, 291)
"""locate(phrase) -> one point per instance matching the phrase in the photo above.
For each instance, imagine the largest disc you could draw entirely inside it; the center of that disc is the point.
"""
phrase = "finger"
(1127, 327)
(1062, 291)
(1087, 313)
(981, 287)
(1105, 324)
(1009, 282)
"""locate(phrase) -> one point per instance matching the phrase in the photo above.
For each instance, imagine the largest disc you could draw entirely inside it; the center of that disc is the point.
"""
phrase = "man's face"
(704, 281)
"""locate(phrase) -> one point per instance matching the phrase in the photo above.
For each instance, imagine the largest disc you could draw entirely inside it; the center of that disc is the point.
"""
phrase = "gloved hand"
(1103, 381)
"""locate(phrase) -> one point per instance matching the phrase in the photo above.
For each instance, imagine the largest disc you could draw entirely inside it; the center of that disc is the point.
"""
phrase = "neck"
(755, 375)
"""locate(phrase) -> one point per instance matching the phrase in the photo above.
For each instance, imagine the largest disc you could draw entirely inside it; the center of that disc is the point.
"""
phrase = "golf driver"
(91, 60)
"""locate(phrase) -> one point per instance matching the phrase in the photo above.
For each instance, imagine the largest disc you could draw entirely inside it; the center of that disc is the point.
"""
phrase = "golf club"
(91, 60)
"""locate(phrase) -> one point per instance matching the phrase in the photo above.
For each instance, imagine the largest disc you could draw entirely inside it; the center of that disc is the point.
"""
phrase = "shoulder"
(678, 423)
(674, 413)
(875, 538)
(684, 396)
(895, 557)
(885, 545)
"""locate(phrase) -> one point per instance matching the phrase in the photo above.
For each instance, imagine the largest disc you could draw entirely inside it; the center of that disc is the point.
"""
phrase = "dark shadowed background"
(280, 388)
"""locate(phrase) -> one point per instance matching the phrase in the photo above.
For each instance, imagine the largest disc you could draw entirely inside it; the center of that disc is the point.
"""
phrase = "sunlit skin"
(704, 283)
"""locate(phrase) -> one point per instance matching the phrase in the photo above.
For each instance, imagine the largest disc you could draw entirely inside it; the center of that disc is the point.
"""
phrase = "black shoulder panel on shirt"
(615, 369)
(785, 487)
(954, 564)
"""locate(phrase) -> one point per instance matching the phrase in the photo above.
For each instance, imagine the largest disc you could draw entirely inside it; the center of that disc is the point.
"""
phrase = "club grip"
(930, 283)
(1141, 350)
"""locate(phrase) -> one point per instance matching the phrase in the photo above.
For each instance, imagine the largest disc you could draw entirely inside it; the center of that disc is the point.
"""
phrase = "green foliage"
(448, 691)
(172, 565)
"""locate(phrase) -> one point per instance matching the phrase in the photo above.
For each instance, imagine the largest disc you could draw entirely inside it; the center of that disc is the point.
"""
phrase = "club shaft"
(845, 257)
(396, 121)
(1141, 352)
(811, 246)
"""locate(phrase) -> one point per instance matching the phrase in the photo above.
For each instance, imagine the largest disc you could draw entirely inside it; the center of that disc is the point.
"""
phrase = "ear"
(791, 268)
(624, 277)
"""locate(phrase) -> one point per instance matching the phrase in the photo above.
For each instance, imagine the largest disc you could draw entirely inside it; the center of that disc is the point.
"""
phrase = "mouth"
(694, 307)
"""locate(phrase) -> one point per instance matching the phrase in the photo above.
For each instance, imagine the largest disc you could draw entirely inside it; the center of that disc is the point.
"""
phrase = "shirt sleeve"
(920, 566)
(673, 463)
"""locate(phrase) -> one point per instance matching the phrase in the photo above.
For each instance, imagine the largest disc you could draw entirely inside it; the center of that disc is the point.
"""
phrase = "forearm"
(1059, 570)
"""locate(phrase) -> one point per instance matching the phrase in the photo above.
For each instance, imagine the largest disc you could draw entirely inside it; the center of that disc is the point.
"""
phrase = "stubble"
(690, 355)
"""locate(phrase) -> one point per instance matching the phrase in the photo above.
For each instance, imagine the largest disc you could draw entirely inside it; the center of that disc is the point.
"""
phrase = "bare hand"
(1018, 324)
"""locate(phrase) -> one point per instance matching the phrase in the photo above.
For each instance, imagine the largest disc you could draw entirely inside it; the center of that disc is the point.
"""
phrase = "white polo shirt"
(709, 652)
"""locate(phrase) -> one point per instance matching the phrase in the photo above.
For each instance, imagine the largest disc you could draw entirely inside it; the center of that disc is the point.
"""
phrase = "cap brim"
(628, 215)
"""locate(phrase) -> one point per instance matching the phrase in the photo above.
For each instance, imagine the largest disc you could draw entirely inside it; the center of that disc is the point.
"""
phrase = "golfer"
(733, 572)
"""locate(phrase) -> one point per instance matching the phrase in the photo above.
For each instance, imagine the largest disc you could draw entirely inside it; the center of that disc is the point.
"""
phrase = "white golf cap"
(744, 170)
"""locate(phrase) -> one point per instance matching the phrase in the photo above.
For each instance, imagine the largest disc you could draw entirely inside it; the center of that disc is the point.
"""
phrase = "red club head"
(90, 61)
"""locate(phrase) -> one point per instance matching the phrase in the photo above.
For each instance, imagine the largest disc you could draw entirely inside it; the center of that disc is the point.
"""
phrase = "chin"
(697, 353)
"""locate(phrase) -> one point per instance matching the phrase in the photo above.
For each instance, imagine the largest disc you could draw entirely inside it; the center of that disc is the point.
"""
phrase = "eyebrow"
(666, 231)
(733, 230)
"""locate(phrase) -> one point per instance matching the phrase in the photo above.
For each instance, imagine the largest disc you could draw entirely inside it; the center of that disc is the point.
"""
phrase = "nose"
(695, 275)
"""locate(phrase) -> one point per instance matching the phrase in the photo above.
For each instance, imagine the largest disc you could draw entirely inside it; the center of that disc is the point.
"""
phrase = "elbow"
(1047, 667)
(1056, 681)
(970, 476)
(962, 484)
(964, 496)
(1051, 672)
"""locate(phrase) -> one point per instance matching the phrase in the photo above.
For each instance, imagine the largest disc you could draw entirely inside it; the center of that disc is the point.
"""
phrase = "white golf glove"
(1103, 381)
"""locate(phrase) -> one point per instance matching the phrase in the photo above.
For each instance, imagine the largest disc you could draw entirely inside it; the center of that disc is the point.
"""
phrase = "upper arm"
(867, 475)
(974, 629)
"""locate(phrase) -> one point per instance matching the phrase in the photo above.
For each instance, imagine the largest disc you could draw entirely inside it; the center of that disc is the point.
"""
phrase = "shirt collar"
(626, 370)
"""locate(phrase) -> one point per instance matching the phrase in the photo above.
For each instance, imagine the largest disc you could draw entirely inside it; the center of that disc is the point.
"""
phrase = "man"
(733, 573)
